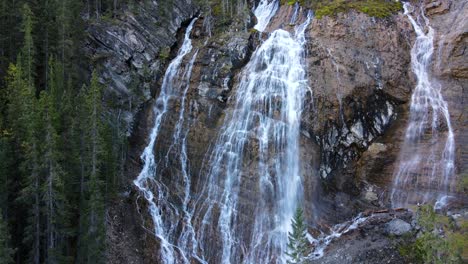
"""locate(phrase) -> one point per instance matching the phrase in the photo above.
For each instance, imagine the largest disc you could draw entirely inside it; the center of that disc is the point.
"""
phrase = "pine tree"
(6, 252)
(40, 131)
(53, 191)
(25, 121)
(298, 243)
(92, 241)
(28, 51)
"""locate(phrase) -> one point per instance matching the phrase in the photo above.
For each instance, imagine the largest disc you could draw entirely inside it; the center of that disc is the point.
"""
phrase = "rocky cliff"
(352, 126)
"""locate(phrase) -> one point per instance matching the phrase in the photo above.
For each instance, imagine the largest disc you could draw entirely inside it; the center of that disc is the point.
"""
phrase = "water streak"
(322, 242)
(294, 17)
(148, 180)
(426, 169)
(265, 10)
(257, 154)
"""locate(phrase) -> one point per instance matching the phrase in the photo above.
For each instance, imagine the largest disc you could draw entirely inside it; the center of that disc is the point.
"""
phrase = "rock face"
(380, 169)
(370, 242)
(352, 127)
(358, 68)
(131, 51)
(450, 66)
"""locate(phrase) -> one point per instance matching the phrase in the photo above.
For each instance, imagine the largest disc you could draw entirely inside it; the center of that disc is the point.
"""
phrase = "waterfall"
(426, 169)
(293, 19)
(256, 156)
(265, 10)
(148, 179)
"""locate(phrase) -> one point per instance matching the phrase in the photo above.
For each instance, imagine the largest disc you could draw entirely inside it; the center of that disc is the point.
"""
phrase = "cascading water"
(257, 153)
(293, 19)
(265, 10)
(426, 169)
(321, 243)
(172, 249)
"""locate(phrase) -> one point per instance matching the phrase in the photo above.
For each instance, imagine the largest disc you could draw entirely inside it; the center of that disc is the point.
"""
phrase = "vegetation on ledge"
(374, 8)
(441, 239)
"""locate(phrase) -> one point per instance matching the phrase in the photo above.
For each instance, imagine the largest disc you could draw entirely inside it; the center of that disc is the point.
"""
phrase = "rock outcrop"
(370, 242)
(358, 70)
(132, 50)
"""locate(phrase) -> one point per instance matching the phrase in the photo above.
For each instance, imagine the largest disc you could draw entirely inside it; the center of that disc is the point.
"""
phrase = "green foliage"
(463, 186)
(225, 14)
(440, 240)
(28, 50)
(165, 53)
(374, 8)
(291, 2)
(94, 156)
(56, 173)
(6, 252)
(298, 244)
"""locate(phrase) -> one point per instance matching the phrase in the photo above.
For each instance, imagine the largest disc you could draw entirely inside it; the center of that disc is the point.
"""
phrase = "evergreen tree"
(298, 243)
(53, 191)
(43, 135)
(25, 123)
(92, 241)
(6, 252)
(28, 51)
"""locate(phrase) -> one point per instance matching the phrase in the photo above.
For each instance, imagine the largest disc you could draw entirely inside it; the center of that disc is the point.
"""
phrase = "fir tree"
(298, 243)
(92, 241)
(28, 51)
(53, 192)
(26, 124)
(6, 252)
(42, 134)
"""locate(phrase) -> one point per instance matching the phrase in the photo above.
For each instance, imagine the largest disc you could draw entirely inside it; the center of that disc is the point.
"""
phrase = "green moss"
(380, 8)
(252, 31)
(288, 2)
(164, 53)
(374, 8)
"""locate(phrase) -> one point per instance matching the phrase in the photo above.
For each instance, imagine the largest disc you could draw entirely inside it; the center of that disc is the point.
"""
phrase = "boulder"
(397, 227)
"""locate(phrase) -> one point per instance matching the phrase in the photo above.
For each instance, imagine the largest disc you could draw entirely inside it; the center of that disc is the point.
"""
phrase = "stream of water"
(148, 181)
(264, 122)
(426, 170)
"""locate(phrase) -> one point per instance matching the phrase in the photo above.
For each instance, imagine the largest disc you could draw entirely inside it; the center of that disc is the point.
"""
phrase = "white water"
(425, 177)
(265, 122)
(322, 242)
(148, 182)
(265, 10)
(294, 17)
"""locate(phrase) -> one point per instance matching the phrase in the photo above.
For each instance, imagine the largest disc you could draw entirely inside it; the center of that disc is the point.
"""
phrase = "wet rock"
(397, 227)
(355, 84)
(368, 243)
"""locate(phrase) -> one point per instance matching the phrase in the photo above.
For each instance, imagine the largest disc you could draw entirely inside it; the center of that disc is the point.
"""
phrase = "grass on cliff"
(374, 8)
(439, 241)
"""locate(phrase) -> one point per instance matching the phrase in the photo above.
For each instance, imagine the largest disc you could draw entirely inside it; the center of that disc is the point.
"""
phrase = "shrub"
(440, 240)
